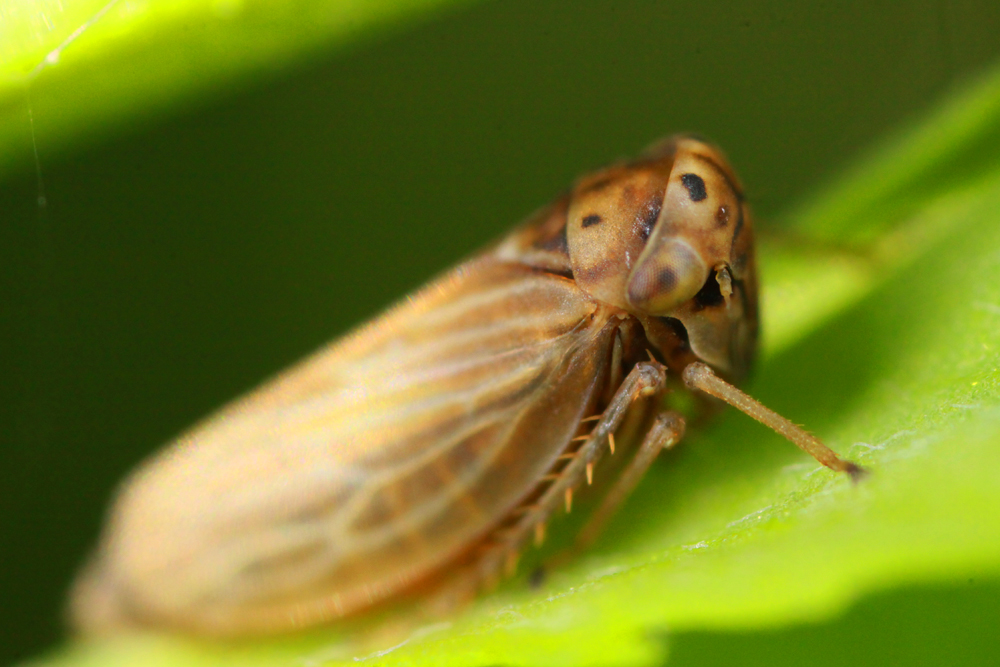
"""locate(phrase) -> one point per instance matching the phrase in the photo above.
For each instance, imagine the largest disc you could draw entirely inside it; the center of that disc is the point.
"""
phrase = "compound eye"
(666, 277)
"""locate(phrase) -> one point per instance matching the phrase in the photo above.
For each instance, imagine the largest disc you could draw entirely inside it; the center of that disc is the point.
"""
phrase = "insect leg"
(699, 376)
(647, 378)
(667, 430)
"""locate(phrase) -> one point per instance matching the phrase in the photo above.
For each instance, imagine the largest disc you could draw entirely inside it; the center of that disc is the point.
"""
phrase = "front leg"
(666, 431)
(647, 379)
(500, 549)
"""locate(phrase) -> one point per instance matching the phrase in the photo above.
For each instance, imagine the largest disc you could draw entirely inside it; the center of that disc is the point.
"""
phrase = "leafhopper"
(425, 450)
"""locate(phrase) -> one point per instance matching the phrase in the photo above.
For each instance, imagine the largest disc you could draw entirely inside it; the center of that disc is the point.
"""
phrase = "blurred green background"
(187, 254)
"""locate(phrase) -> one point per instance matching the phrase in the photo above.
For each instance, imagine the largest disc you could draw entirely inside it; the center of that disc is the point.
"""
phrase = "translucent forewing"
(363, 469)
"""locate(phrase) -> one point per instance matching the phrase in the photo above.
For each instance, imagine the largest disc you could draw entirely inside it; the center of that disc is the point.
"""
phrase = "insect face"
(670, 236)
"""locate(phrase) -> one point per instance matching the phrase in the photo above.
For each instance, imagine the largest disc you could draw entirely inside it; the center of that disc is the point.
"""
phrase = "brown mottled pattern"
(367, 466)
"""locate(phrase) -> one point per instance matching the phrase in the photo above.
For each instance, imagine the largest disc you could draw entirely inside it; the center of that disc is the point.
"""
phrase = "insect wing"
(362, 470)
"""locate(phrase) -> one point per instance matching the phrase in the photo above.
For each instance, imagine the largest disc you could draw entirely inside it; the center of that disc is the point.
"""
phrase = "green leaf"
(89, 64)
(884, 307)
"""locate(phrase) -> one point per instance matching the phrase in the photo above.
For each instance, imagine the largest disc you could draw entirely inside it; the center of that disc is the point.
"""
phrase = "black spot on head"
(648, 217)
(695, 186)
(710, 293)
(592, 219)
(722, 216)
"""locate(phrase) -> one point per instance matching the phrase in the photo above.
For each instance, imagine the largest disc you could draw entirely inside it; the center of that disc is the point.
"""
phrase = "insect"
(433, 444)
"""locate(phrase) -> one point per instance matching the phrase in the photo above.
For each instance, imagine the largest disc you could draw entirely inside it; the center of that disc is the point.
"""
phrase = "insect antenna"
(699, 376)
